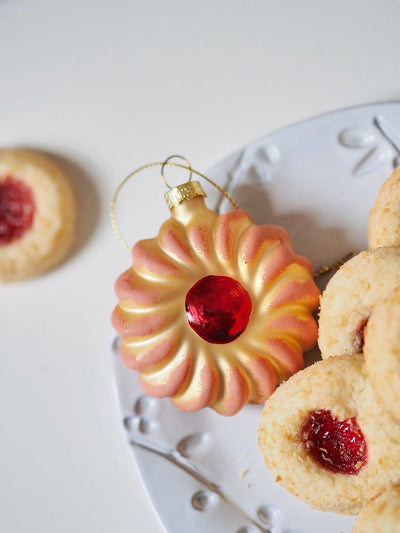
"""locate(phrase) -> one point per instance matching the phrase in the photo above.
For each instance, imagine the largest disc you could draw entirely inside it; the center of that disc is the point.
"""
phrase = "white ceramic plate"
(318, 179)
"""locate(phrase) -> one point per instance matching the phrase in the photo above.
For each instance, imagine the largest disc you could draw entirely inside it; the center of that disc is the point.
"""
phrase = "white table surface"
(105, 87)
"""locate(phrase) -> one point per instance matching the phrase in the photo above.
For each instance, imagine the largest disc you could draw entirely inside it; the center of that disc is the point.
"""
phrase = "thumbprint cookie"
(319, 443)
(384, 217)
(351, 295)
(381, 515)
(382, 352)
(37, 215)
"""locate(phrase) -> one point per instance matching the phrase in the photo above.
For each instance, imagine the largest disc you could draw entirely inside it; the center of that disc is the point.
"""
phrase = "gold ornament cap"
(186, 191)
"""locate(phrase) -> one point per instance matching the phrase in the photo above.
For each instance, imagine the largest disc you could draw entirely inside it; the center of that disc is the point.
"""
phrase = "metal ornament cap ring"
(186, 191)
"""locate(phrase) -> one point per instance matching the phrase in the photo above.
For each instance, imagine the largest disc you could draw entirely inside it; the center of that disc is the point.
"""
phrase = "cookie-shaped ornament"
(320, 443)
(384, 217)
(215, 310)
(381, 515)
(350, 297)
(37, 215)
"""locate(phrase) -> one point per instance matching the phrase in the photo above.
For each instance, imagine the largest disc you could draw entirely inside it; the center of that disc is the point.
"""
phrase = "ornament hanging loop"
(166, 163)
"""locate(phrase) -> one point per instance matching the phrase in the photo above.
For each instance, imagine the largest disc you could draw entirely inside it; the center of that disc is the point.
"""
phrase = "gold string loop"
(163, 164)
(335, 266)
(166, 161)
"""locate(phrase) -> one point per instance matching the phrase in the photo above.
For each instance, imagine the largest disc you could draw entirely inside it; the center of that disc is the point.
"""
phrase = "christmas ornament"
(215, 311)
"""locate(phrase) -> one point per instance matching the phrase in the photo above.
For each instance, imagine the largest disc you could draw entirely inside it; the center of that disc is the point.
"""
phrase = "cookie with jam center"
(382, 352)
(350, 297)
(321, 443)
(381, 515)
(384, 217)
(37, 215)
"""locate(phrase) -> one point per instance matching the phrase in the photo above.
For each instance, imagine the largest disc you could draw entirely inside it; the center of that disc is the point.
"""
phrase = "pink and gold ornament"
(215, 311)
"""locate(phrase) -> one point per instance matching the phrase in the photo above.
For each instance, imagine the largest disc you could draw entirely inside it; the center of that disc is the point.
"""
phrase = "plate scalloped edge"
(203, 472)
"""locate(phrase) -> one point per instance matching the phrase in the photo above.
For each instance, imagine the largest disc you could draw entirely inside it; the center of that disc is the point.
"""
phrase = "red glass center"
(17, 209)
(337, 445)
(218, 309)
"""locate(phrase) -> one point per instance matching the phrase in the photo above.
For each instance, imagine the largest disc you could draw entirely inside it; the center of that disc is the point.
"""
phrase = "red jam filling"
(17, 209)
(336, 445)
(218, 309)
(360, 335)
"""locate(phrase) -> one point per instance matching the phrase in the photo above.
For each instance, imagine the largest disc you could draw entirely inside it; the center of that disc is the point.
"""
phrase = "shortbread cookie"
(386, 437)
(318, 442)
(37, 215)
(384, 218)
(382, 352)
(351, 295)
(381, 515)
